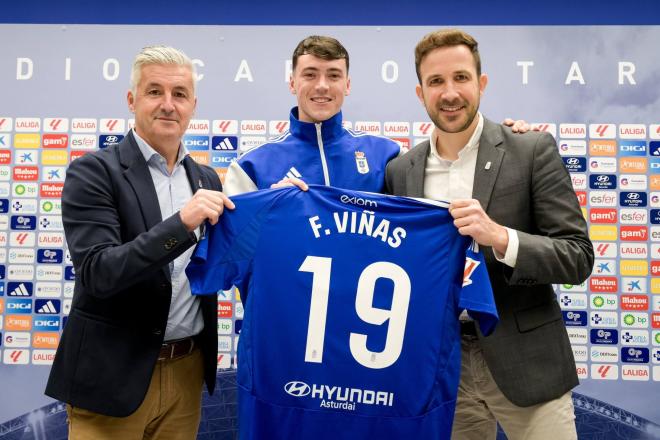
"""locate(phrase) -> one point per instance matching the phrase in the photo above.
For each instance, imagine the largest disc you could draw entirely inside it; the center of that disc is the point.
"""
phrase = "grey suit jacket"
(526, 187)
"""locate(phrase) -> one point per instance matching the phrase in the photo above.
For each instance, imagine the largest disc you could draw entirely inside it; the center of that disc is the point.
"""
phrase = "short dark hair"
(326, 48)
(446, 38)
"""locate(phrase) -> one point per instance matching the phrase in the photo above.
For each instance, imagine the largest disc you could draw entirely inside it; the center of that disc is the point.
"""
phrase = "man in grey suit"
(512, 194)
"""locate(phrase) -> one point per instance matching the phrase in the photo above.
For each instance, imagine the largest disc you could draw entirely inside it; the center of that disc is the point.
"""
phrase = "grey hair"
(150, 55)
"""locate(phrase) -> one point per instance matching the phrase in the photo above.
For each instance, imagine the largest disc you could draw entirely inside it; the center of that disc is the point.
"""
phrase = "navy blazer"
(120, 249)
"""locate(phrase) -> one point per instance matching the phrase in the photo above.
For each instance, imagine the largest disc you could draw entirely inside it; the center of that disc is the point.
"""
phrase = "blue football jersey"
(351, 304)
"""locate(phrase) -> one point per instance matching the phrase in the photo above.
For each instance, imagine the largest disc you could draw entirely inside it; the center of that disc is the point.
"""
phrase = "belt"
(176, 349)
(468, 328)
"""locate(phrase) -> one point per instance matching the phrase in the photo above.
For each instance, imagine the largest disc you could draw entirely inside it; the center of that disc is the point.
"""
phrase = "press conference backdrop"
(593, 88)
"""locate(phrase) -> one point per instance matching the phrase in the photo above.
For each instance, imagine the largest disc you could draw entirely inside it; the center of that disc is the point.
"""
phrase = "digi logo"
(18, 306)
(632, 148)
(223, 159)
(200, 143)
(47, 324)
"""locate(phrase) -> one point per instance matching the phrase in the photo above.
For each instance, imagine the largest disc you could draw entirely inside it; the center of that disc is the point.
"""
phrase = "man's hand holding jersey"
(204, 205)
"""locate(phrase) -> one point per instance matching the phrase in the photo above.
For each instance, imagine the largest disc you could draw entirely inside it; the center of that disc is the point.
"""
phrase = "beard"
(448, 123)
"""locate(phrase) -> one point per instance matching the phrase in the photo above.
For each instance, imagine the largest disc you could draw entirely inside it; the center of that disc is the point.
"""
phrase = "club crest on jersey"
(361, 162)
(470, 266)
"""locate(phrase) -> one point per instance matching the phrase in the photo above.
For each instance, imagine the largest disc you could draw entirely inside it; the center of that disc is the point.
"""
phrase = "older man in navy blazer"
(512, 194)
(138, 346)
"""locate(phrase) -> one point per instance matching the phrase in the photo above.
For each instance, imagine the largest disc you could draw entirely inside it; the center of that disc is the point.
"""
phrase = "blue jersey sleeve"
(223, 256)
(477, 294)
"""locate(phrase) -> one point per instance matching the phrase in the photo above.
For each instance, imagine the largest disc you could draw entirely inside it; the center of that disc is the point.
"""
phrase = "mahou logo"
(603, 284)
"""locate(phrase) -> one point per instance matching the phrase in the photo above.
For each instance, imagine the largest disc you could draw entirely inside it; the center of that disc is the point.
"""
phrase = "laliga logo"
(297, 389)
(357, 201)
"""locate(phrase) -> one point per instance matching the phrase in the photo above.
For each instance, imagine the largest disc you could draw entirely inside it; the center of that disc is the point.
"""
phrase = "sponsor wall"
(593, 88)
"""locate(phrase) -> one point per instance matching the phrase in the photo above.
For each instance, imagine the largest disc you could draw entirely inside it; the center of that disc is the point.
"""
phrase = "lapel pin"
(487, 167)
(199, 182)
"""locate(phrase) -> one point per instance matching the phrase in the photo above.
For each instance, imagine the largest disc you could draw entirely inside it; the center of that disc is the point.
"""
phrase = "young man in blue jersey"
(513, 195)
(317, 149)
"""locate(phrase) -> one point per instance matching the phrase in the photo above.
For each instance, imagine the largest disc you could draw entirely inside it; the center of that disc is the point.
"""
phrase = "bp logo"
(297, 389)
(629, 319)
(20, 190)
(657, 338)
(598, 301)
(47, 206)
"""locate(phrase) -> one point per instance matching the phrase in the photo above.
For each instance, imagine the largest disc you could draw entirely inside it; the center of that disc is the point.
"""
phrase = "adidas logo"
(225, 145)
(47, 308)
(293, 172)
(20, 290)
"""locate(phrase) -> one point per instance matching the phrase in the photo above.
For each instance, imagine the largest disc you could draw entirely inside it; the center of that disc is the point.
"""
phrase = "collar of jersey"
(330, 128)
